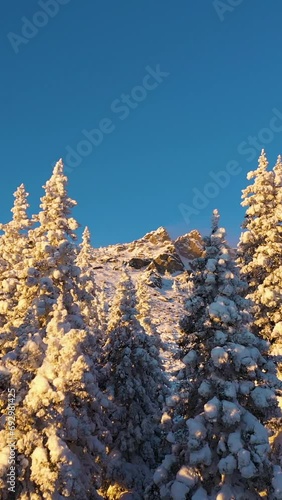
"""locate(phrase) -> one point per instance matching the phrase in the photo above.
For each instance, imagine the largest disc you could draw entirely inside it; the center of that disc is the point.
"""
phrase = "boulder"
(139, 263)
(168, 262)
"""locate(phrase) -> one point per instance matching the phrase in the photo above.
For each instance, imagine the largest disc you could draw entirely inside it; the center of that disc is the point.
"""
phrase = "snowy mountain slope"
(162, 263)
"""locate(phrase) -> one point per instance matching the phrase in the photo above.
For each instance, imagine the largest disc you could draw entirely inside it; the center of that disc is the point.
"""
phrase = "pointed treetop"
(215, 220)
(56, 206)
(278, 177)
(59, 168)
(20, 191)
(85, 253)
(260, 175)
(278, 166)
(20, 194)
(86, 237)
(262, 161)
(20, 220)
(58, 179)
(56, 185)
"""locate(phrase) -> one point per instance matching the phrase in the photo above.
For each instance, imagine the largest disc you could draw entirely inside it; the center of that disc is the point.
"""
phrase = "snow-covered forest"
(149, 370)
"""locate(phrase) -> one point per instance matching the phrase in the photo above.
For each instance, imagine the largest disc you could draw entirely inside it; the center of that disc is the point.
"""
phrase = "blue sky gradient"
(157, 139)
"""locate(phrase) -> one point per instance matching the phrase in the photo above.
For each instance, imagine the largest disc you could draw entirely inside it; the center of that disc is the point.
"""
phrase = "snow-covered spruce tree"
(14, 253)
(53, 333)
(48, 270)
(14, 249)
(54, 270)
(259, 198)
(61, 425)
(92, 295)
(14, 238)
(135, 383)
(48, 266)
(88, 289)
(144, 308)
(267, 296)
(221, 447)
(13, 244)
(264, 270)
(274, 279)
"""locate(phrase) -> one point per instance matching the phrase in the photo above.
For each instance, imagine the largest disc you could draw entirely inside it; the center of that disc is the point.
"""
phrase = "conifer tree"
(20, 223)
(135, 383)
(60, 410)
(51, 269)
(14, 249)
(55, 217)
(144, 309)
(268, 295)
(48, 270)
(62, 425)
(85, 250)
(220, 446)
(88, 289)
(15, 253)
(264, 268)
(259, 198)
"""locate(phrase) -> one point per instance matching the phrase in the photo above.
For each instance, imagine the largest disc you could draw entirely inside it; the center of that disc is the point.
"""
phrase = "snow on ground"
(167, 303)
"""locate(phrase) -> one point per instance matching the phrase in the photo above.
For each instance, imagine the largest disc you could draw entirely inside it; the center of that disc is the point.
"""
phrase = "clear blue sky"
(70, 75)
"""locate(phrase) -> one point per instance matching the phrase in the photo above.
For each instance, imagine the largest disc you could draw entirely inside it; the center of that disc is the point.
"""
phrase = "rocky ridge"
(163, 265)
